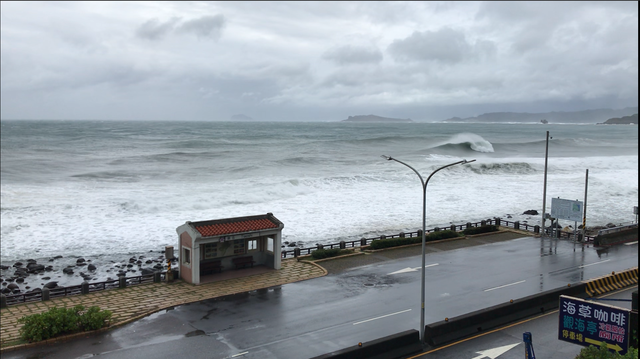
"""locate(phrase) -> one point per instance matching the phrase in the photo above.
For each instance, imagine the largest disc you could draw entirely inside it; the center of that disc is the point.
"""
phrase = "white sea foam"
(322, 186)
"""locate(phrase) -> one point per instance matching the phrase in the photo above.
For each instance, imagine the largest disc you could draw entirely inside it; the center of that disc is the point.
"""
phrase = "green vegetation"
(478, 230)
(402, 241)
(60, 321)
(326, 253)
(592, 352)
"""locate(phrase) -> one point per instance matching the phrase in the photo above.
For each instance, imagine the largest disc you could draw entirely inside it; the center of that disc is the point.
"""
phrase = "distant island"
(374, 118)
(587, 116)
(241, 117)
(626, 120)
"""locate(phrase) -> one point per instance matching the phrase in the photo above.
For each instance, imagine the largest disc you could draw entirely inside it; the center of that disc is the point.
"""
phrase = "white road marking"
(409, 269)
(239, 354)
(506, 285)
(384, 316)
(495, 352)
(592, 264)
(631, 243)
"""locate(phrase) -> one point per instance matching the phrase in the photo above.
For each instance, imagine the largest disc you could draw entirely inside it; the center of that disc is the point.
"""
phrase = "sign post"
(587, 323)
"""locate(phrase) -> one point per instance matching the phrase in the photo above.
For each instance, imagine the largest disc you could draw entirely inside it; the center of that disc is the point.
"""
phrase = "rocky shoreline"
(32, 275)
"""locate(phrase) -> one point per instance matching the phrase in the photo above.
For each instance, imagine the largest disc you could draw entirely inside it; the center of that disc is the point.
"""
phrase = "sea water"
(108, 188)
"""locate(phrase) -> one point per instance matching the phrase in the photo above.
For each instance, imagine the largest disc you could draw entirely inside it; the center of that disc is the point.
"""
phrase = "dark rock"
(51, 285)
(17, 264)
(149, 261)
(81, 264)
(31, 261)
(80, 260)
(20, 280)
(46, 278)
(145, 271)
(67, 270)
(5, 290)
(532, 212)
(91, 267)
(129, 265)
(35, 290)
(12, 286)
(291, 245)
(57, 257)
(4, 267)
(34, 268)
(16, 291)
(21, 272)
(48, 268)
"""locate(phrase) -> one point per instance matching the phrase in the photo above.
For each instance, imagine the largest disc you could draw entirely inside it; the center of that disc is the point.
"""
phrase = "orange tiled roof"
(217, 229)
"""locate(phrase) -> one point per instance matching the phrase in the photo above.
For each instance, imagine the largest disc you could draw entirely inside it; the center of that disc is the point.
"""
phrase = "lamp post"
(424, 216)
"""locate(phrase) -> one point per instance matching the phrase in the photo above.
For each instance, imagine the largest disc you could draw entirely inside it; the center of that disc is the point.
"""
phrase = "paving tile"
(131, 302)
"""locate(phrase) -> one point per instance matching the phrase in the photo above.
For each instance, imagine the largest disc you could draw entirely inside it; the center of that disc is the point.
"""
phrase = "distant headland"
(625, 120)
(587, 116)
(374, 118)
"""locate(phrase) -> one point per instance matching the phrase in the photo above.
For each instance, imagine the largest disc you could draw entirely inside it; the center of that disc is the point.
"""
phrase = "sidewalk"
(135, 302)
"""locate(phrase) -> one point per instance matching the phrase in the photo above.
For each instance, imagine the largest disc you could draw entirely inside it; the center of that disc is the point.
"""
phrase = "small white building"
(207, 247)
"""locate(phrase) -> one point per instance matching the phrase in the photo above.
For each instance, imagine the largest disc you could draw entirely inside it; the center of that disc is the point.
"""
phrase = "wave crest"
(470, 140)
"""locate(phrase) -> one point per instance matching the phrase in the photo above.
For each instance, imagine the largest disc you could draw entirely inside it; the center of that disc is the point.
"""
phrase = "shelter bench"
(213, 266)
(243, 261)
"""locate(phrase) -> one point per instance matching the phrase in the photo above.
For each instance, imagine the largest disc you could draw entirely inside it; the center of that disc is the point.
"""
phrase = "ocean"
(110, 189)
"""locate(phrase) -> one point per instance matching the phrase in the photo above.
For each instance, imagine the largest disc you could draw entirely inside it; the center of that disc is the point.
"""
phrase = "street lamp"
(424, 216)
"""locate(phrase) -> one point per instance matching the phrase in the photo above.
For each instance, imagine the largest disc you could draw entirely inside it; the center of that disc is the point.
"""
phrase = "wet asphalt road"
(363, 298)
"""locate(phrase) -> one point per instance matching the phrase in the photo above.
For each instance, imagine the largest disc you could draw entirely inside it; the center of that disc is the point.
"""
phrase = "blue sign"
(587, 323)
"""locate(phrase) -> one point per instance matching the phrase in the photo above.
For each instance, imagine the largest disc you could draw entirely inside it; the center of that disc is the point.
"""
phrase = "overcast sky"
(319, 61)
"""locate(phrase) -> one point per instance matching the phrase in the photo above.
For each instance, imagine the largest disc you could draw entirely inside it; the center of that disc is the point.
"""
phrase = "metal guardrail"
(535, 229)
(57, 292)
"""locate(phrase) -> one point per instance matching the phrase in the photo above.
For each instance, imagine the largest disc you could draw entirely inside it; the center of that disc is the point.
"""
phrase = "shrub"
(434, 236)
(326, 253)
(59, 321)
(403, 241)
(478, 230)
(592, 352)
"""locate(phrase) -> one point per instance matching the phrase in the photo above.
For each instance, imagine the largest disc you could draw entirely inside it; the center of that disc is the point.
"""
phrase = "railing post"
(419, 233)
(437, 229)
(483, 223)
(122, 282)
(343, 245)
(156, 277)
(453, 228)
(45, 294)
(3, 301)
(363, 242)
(383, 237)
(536, 229)
(516, 225)
(468, 225)
(296, 252)
(320, 246)
(497, 221)
(84, 287)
